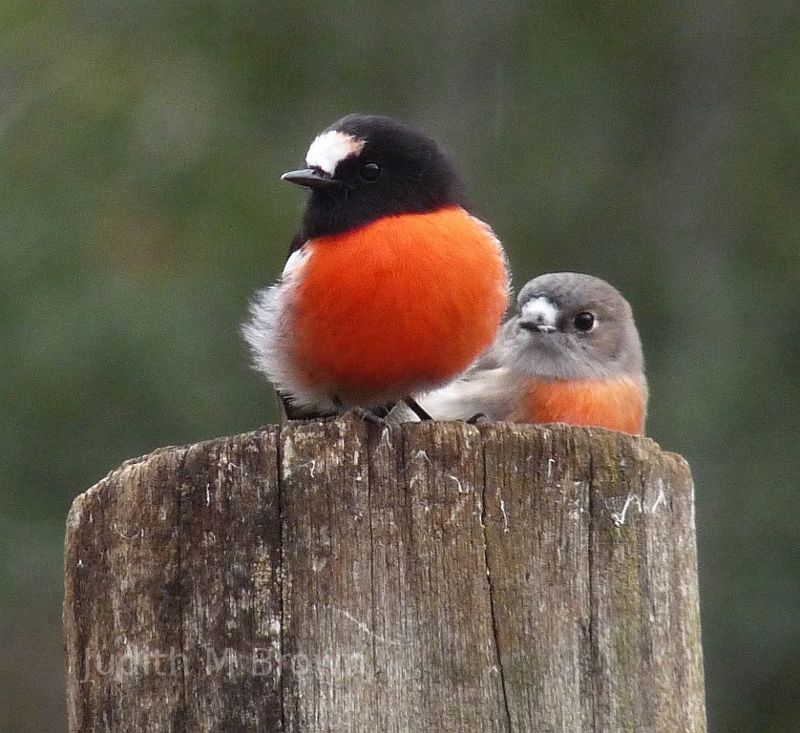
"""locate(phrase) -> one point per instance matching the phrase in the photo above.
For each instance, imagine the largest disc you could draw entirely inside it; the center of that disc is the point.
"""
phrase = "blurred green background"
(655, 144)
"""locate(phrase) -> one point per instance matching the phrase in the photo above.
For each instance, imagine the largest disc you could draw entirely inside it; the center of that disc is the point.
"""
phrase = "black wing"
(289, 411)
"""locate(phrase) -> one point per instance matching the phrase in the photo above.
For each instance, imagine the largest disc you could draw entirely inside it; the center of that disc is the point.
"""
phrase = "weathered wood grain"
(341, 577)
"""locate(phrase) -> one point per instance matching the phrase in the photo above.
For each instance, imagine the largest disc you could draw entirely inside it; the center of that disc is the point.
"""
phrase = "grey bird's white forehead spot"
(540, 310)
(330, 148)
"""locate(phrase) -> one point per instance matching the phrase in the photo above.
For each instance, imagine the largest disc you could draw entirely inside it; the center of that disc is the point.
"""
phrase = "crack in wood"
(492, 610)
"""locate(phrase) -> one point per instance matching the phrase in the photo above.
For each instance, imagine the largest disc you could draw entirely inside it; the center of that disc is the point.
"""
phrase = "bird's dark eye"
(370, 172)
(584, 321)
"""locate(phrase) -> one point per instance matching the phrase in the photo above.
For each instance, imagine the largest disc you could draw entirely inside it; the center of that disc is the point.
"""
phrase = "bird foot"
(417, 409)
(369, 416)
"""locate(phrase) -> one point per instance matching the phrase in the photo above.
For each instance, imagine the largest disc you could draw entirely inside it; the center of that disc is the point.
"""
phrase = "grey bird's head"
(572, 326)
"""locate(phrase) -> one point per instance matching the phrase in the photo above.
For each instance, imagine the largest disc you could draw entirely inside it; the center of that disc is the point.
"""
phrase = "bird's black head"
(364, 167)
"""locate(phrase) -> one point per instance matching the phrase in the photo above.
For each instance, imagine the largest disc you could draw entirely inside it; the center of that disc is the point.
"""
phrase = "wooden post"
(430, 577)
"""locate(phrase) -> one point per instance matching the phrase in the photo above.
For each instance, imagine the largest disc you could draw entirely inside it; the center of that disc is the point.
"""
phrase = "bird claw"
(478, 419)
(369, 416)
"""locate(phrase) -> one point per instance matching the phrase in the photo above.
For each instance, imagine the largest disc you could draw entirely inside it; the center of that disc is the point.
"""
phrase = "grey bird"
(571, 353)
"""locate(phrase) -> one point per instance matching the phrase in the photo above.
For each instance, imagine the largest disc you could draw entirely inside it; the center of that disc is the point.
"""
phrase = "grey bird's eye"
(370, 172)
(584, 322)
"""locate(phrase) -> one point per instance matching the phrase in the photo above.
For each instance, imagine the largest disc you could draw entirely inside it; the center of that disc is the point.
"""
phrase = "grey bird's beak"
(536, 326)
(311, 178)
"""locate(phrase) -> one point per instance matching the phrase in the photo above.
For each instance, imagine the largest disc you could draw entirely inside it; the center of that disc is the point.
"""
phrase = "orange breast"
(401, 304)
(616, 404)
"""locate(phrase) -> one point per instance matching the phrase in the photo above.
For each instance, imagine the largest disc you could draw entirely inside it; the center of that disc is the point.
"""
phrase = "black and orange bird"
(392, 287)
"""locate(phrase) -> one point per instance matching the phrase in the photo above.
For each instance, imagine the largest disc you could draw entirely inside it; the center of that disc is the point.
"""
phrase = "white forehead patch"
(330, 148)
(540, 310)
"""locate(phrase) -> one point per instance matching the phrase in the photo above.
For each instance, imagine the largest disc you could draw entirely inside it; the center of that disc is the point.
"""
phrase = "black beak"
(311, 178)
